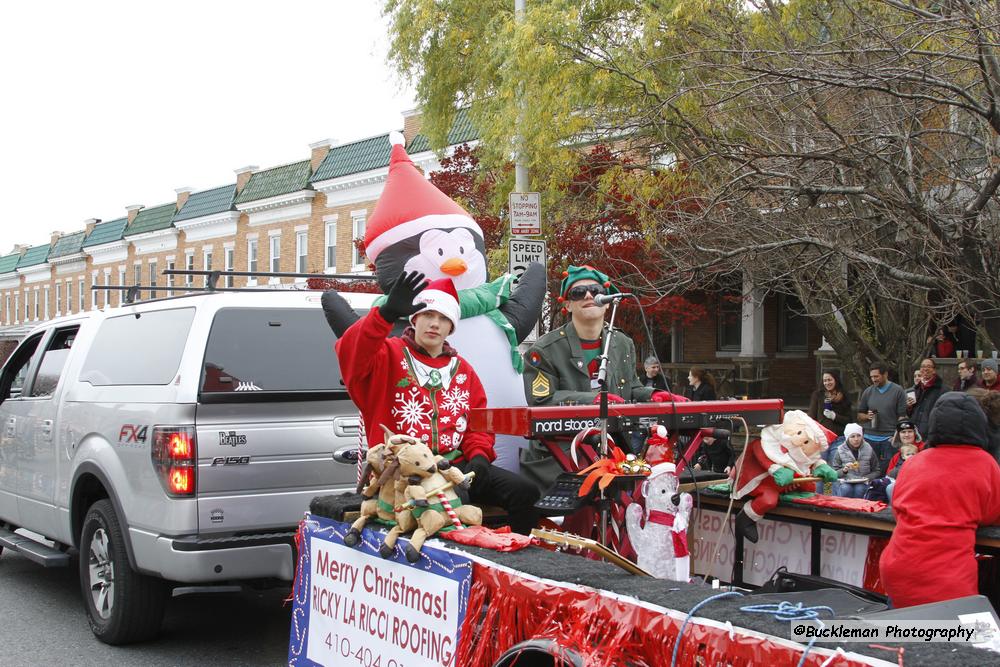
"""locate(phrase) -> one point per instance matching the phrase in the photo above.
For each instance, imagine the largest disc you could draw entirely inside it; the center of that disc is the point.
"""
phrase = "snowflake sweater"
(394, 383)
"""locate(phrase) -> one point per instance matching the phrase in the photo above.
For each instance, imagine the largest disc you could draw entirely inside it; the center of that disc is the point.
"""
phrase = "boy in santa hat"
(417, 384)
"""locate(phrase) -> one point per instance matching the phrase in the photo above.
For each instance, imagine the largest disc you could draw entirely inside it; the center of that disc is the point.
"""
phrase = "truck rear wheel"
(122, 605)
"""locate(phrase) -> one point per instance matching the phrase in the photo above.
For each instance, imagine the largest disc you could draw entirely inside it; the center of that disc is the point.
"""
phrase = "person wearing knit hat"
(856, 464)
(942, 496)
(990, 379)
(417, 384)
(562, 366)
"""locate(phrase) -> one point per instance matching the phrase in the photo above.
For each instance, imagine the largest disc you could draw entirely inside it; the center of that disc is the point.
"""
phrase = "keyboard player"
(561, 367)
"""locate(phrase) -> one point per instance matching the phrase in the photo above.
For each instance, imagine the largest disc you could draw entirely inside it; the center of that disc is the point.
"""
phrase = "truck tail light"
(175, 458)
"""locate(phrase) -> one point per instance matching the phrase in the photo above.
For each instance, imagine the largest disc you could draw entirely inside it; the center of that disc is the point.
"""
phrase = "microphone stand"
(604, 504)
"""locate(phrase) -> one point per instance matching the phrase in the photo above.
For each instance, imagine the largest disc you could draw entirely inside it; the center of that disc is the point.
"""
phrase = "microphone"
(602, 299)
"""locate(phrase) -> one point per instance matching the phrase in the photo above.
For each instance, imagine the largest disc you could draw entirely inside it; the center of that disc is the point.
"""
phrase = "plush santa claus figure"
(784, 452)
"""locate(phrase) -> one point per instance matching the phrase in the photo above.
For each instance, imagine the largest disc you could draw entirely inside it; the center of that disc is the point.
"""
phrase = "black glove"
(481, 466)
(399, 300)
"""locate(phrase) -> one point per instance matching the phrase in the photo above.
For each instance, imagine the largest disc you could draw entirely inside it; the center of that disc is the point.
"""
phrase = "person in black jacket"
(654, 376)
(701, 385)
(716, 454)
(831, 404)
(924, 395)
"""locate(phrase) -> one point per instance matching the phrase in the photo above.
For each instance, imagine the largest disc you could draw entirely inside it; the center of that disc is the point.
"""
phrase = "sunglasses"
(580, 291)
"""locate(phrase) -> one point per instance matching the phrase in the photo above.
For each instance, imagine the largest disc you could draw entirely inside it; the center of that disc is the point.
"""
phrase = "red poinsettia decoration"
(604, 471)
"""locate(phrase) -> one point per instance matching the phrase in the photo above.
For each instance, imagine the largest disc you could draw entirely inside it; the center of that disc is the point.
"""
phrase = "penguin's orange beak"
(454, 267)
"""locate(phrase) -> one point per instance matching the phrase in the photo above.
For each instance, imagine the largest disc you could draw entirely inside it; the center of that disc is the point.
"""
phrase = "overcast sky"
(108, 104)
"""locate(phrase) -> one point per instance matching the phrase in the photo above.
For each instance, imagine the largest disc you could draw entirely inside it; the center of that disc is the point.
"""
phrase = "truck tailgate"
(260, 463)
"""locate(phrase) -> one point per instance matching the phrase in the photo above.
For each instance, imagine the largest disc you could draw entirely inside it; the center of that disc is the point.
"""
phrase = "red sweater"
(390, 381)
(940, 499)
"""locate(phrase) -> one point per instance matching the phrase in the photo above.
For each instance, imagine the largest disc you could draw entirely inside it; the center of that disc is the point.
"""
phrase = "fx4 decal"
(132, 434)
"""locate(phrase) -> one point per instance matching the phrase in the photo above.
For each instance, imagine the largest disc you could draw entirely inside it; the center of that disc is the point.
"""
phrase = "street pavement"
(43, 623)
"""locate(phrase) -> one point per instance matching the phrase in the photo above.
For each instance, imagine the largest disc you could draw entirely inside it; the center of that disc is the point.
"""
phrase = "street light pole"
(520, 169)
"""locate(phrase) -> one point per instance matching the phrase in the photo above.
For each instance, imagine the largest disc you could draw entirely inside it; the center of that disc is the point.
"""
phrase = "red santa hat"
(440, 296)
(409, 205)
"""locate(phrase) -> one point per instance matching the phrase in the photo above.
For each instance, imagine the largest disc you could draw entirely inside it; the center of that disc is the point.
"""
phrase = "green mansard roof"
(207, 202)
(461, 132)
(34, 256)
(354, 158)
(106, 232)
(9, 262)
(276, 181)
(152, 219)
(69, 244)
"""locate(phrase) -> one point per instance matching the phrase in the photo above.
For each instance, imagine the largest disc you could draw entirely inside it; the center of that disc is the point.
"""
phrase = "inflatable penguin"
(415, 226)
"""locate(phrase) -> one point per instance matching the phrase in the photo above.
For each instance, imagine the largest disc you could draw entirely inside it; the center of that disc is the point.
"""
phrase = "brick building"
(304, 217)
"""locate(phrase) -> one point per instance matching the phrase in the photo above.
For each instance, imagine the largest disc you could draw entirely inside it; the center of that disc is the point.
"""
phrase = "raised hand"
(399, 301)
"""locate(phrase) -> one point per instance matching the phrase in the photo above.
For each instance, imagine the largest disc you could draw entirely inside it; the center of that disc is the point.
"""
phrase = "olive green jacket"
(555, 372)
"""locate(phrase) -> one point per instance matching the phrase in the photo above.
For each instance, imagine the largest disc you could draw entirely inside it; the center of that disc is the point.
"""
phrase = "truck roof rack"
(212, 279)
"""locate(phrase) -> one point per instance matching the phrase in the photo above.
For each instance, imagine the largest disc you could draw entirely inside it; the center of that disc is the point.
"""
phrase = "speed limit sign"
(523, 252)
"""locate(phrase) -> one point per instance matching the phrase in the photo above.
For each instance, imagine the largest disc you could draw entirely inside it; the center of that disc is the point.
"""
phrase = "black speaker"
(783, 581)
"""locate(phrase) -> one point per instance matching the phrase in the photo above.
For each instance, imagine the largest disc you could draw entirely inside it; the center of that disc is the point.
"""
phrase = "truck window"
(53, 361)
(256, 350)
(15, 372)
(143, 350)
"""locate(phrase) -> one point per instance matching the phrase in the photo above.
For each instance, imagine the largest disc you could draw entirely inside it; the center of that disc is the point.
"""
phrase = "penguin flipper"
(339, 314)
(524, 307)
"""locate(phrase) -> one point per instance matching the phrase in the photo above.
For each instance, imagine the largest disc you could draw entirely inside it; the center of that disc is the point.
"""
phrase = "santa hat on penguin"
(416, 227)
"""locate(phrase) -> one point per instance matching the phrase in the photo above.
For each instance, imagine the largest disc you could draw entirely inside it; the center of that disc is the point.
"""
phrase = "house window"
(793, 325)
(730, 321)
(230, 255)
(189, 265)
(83, 294)
(107, 281)
(357, 258)
(17, 306)
(36, 305)
(58, 298)
(301, 251)
(137, 279)
(252, 255)
(152, 279)
(207, 259)
(331, 247)
(170, 277)
(275, 254)
(69, 297)
(6, 308)
(27, 307)
(45, 303)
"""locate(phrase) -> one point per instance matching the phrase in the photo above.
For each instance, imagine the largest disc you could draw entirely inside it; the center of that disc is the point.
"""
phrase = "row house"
(304, 217)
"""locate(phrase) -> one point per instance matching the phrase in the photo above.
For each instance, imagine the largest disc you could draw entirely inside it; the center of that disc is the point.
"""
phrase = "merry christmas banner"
(353, 606)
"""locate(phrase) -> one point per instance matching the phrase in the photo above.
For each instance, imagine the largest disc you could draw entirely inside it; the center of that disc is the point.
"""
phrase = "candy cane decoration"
(362, 446)
(449, 510)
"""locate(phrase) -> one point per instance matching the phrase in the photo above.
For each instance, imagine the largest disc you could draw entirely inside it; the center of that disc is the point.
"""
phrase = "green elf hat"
(575, 273)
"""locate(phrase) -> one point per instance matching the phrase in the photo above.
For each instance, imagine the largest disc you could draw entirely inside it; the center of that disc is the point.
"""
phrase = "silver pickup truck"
(172, 440)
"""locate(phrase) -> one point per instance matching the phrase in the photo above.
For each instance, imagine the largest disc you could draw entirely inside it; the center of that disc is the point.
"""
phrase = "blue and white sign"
(352, 607)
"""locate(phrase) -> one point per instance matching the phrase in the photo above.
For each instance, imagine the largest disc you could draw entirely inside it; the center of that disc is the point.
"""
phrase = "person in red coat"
(784, 451)
(942, 495)
(417, 384)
